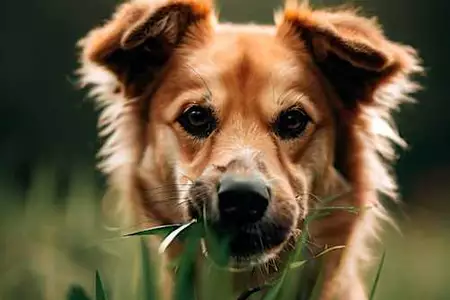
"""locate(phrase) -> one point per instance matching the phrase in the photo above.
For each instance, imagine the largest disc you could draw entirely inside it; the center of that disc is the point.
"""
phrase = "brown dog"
(251, 126)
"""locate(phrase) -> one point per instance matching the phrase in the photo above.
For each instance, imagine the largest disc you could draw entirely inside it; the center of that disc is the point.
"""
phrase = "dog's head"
(241, 124)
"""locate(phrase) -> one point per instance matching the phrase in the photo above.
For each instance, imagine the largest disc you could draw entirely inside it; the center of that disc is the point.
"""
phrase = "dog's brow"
(208, 90)
(290, 98)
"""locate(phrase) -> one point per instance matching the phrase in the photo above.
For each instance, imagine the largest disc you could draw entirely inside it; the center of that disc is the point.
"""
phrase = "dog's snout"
(242, 200)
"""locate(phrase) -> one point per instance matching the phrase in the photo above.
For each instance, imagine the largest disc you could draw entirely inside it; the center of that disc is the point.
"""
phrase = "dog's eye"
(198, 121)
(291, 123)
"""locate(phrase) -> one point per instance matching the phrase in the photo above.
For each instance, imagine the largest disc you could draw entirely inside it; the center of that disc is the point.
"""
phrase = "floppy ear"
(140, 38)
(351, 51)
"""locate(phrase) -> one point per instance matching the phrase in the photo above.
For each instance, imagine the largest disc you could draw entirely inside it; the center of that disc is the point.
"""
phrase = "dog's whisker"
(169, 186)
(167, 192)
(185, 175)
(167, 199)
(172, 184)
(193, 193)
(170, 200)
(273, 179)
(265, 270)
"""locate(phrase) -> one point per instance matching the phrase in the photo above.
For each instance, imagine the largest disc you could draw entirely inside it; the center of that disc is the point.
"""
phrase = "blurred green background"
(50, 191)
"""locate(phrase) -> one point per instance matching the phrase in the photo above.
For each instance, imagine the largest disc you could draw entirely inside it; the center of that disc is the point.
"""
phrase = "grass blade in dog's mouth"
(149, 278)
(300, 263)
(171, 237)
(163, 230)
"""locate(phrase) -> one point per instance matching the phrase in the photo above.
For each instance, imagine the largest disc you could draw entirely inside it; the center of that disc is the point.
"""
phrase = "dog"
(252, 126)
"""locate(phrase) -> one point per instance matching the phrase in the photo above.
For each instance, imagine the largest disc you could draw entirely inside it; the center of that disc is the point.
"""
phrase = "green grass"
(52, 251)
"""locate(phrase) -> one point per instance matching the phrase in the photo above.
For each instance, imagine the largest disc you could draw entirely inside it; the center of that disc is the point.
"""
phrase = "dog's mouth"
(246, 245)
(255, 239)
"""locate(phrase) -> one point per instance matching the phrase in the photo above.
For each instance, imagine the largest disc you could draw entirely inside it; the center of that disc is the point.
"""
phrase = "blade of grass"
(333, 198)
(377, 277)
(350, 209)
(298, 264)
(163, 230)
(99, 288)
(184, 277)
(217, 248)
(316, 290)
(215, 273)
(148, 278)
(274, 292)
(169, 239)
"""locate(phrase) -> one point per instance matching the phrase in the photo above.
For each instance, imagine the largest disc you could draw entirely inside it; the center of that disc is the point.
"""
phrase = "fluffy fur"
(363, 75)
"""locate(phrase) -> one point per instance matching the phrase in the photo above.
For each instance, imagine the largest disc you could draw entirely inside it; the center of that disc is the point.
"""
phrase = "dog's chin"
(250, 261)
(237, 263)
(253, 245)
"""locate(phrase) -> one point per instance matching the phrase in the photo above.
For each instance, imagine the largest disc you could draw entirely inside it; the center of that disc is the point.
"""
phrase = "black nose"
(242, 200)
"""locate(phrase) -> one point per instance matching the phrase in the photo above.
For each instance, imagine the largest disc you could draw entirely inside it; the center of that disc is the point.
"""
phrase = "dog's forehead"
(250, 62)
(246, 51)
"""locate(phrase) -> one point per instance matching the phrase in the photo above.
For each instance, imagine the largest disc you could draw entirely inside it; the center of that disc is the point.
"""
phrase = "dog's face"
(254, 130)
(256, 112)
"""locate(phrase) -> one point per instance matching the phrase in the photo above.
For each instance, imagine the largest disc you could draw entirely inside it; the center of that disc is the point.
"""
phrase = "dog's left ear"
(351, 51)
(123, 61)
(141, 37)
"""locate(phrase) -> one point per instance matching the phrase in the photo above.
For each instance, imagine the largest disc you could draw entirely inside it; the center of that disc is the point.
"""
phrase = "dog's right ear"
(141, 36)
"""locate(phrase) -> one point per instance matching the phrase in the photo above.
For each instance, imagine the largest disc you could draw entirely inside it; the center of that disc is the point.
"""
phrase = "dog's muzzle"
(237, 209)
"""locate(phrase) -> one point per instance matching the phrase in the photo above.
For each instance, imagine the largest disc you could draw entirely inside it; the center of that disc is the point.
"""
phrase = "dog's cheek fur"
(123, 62)
(369, 76)
(160, 175)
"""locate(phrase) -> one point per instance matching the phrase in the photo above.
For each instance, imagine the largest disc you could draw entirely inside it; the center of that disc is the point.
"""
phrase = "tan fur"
(155, 57)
